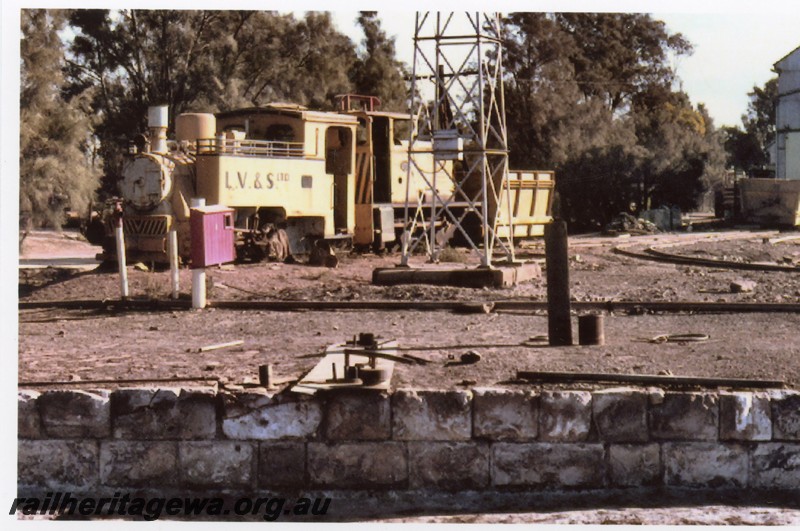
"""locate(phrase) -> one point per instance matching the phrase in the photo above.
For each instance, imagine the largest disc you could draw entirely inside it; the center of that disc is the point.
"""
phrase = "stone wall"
(483, 439)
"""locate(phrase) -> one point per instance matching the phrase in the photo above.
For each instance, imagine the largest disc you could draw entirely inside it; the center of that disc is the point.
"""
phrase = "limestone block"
(565, 416)
(786, 416)
(75, 414)
(431, 415)
(29, 423)
(358, 465)
(707, 465)
(505, 414)
(634, 465)
(686, 416)
(620, 415)
(547, 465)
(142, 464)
(223, 464)
(241, 402)
(58, 464)
(358, 416)
(655, 395)
(745, 416)
(281, 464)
(448, 465)
(775, 466)
(264, 418)
(158, 414)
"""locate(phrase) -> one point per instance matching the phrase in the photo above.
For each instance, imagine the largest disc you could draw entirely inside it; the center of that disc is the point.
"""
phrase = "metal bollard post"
(121, 262)
(172, 247)
(265, 375)
(590, 330)
(559, 325)
(198, 288)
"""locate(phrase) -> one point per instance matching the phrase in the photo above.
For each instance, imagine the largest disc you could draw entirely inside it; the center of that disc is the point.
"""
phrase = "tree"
(685, 154)
(597, 184)
(200, 61)
(760, 118)
(134, 59)
(743, 151)
(747, 148)
(377, 72)
(55, 134)
(617, 55)
(590, 95)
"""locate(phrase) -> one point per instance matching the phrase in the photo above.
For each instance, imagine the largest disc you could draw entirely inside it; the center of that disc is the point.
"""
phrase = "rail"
(379, 305)
(656, 255)
(249, 148)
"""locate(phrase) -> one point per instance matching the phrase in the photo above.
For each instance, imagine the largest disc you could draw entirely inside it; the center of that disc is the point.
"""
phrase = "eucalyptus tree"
(377, 71)
(56, 148)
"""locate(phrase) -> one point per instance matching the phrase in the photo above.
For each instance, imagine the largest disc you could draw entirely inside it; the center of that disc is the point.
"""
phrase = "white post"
(198, 288)
(123, 272)
(199, 274)
(172, 248)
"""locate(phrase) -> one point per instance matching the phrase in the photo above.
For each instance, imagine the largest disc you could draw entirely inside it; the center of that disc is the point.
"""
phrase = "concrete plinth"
(504, 276)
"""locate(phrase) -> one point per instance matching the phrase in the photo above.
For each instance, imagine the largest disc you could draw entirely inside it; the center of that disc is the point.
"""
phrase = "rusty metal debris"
(675, 338)
(362, 363)
(654, 379)
(626, 223)
(470, 357)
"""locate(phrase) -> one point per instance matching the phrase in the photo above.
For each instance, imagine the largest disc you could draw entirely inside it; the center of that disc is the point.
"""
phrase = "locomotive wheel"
(278, 245)
(322, 255)
(251, 250)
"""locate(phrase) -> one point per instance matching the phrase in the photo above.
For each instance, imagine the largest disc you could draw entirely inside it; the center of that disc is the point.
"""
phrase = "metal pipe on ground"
(647, 379)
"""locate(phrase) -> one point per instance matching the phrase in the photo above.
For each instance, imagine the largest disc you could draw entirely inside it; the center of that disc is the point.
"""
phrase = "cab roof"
(291, 109)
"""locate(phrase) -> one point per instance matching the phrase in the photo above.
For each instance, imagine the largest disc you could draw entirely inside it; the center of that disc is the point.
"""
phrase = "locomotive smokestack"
(157, 121)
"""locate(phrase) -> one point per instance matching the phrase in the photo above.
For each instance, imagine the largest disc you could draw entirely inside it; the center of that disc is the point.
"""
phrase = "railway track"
(644, 248)
(657, 253)
(457, 306)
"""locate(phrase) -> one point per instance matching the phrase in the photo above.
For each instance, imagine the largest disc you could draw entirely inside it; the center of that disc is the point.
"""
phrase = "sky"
(734, 50)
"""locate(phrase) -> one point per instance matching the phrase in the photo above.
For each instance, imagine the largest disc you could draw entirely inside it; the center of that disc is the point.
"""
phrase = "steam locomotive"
(298, 180)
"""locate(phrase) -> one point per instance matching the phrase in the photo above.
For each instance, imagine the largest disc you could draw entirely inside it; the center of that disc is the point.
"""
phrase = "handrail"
(252, 148)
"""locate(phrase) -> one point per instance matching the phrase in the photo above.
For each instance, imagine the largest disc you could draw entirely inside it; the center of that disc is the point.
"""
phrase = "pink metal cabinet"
(212, 236)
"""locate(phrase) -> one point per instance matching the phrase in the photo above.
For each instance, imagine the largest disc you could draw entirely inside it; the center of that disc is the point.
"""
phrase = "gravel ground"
(103, 344)
(79, 346)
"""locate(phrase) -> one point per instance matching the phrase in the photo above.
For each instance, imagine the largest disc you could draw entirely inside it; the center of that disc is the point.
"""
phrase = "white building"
(788, 117)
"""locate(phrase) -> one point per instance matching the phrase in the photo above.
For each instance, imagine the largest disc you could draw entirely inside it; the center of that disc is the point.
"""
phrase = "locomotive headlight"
(147, 181)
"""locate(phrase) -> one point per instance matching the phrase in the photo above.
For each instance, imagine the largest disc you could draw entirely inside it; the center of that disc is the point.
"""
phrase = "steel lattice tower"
(459, 117)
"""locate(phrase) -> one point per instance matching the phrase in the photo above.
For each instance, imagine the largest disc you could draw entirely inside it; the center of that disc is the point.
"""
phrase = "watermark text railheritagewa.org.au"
(125, 505)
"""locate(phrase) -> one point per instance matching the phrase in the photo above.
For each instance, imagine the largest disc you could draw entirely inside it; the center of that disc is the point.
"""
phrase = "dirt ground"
(103, 344)
(81, 346)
